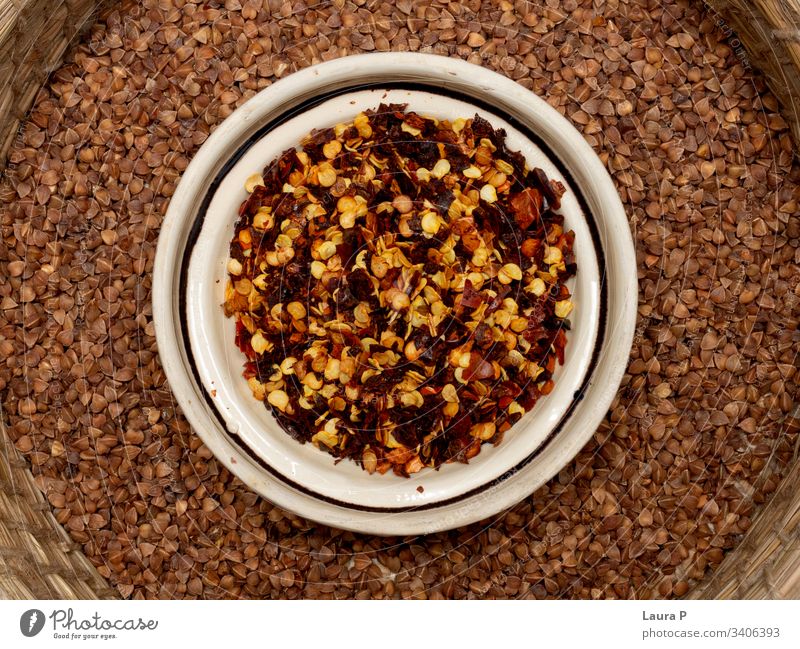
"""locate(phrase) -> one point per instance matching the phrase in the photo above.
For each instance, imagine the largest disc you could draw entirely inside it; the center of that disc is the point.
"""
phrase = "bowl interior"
(219, 363)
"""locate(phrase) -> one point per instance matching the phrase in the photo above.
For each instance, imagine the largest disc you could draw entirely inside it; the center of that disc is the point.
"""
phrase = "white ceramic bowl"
(219, 362)
(204, 366)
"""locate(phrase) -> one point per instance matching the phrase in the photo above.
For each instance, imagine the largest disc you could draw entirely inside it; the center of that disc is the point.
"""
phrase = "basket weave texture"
(770, 32)
(37, 558)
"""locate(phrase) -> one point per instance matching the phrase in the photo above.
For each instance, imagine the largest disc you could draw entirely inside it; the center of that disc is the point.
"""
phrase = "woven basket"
(37, 558)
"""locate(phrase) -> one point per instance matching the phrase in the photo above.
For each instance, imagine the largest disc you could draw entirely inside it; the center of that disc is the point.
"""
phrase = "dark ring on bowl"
(292, 112)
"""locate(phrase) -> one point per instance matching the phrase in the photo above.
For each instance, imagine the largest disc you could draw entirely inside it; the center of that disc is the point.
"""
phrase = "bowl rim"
(510, 98)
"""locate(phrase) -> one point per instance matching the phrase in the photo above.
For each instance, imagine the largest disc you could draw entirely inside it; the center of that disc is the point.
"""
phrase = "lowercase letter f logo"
(31, 622)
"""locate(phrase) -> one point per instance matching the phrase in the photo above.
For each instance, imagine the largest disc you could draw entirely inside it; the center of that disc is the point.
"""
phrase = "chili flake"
(398, 284)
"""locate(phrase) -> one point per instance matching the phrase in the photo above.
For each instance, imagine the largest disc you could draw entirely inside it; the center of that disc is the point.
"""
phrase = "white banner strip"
(396, 624)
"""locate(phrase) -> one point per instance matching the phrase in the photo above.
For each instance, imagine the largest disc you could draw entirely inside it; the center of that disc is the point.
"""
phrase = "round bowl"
(204, 367)
(219, 363)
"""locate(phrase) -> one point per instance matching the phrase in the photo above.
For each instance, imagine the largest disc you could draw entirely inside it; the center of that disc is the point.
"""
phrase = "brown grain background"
(705, 422)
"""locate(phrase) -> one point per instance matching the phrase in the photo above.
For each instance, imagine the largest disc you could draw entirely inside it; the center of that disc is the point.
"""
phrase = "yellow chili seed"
(563, 308)
(450, 409)
(331, 149)
(411, 352)
(347, 219)
(279, 399)
(332, 369)
(431, 223)
(489, 193)
(480, 256)
(476, 279)
(449, 393)
(327, 250)
(346, 203)
(504, 167)
(259, 343)
(257, 388)
(312, 381)
(369, 461)
(263, 220)
(552, 255)
(537, 287)
(402, 204)
(483, 156)
(326, 175)
(502, 318)
(285, 255)
(252, 182)
(441, 168)
(498, 180)
(379, 266)
(317, 268)
(361, 122)
(509, 273)
(324, 436)
(287, 364)
(411, 130)
(483, 431)
(234, 267)
(518, 325)
(399, 300)
(296, 310)
(515, 409)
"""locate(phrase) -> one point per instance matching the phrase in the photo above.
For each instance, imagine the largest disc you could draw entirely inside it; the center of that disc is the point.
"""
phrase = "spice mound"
(398, 284)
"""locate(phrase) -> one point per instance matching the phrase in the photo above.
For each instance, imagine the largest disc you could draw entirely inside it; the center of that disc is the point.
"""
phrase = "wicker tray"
(37, 558)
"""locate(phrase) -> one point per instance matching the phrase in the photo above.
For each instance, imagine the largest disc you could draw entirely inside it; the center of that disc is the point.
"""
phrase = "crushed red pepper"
(399, 288)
